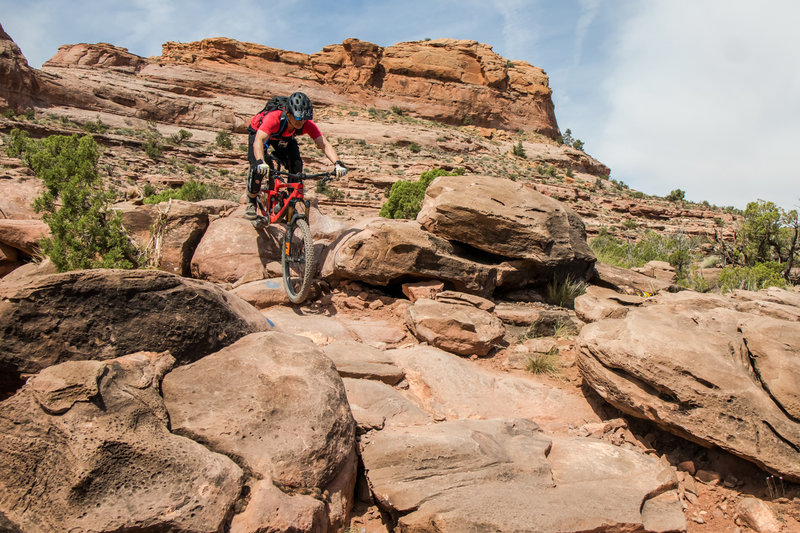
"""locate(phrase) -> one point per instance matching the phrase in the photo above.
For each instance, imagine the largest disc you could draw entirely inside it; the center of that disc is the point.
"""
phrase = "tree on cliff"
(85, 231)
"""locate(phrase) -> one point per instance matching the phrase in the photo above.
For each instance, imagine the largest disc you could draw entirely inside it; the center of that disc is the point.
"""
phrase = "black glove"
(339, 169)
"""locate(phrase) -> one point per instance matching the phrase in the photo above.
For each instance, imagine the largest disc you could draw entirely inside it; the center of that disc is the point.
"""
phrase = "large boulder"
(87, 447)
(396, 251)
(231, 248)
(506, 475)
(169, 231)
(718, 370)
(273, 401)
(459, 329)
(102, 314)
(510, 220)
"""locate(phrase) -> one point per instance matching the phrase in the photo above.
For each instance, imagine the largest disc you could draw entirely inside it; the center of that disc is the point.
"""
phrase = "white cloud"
(703, 97)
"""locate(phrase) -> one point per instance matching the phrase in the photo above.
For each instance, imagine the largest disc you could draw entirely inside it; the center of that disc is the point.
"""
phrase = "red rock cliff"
(446, 80)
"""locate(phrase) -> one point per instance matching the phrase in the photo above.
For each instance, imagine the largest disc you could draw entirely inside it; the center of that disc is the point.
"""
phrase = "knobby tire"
(298, 263)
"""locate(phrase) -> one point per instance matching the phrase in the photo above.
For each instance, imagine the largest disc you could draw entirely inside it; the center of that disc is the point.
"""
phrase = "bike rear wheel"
(297, 260)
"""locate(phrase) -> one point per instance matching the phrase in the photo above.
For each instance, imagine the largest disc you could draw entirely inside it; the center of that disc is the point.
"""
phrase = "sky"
(697, 95)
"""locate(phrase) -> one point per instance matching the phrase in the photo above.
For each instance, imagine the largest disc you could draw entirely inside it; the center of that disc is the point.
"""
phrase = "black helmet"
(300, 106)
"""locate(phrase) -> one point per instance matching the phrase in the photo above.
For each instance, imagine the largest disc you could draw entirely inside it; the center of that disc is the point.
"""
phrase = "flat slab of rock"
(356, 360)
(460, 329)
(449, 387)
(718, 370)
(376, 405)
(506, 475)
(263, 293)
(101, 314)
(320, 329)
(378, 332)
(86, 447)
(598, 303)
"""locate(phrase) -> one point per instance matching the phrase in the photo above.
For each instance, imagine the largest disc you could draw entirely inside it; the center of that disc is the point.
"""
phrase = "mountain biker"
(278, 128)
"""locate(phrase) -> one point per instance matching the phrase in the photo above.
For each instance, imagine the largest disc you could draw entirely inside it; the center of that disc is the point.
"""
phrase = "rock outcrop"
(102, 314)
(19, 82)
(717, 370)
(510, 220)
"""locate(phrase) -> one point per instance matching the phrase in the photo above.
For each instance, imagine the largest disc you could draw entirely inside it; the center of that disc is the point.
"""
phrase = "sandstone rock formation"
(718, 370)
(86, 447)
(101, 314)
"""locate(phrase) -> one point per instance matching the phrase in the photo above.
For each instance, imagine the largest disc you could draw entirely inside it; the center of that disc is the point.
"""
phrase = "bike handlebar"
(301, 175)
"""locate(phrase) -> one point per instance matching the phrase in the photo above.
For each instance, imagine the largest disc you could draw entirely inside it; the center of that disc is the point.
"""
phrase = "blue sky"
(699, 95)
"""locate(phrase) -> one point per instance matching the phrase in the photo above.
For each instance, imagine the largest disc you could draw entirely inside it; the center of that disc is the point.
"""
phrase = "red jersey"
(272, 125)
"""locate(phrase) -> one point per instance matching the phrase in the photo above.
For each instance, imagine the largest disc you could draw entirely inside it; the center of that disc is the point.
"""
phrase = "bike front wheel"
(297, 260)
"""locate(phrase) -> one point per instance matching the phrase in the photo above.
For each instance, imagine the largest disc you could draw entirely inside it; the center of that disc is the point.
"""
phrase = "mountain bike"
(282, 201)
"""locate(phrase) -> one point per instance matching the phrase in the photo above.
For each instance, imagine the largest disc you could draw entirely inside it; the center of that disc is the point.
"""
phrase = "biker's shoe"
(250, 212)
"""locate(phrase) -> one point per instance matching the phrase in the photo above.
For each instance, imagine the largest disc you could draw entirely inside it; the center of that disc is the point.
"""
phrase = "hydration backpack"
(274, 104)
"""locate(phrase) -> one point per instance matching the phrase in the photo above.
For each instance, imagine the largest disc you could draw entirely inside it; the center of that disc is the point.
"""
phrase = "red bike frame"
(278, 196)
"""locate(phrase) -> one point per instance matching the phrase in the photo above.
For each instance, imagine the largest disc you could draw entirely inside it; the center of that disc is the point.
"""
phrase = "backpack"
(273, 104)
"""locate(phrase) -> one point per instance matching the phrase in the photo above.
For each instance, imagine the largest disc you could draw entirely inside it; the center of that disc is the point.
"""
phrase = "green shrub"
(518, 150)
(578, 145)
(397, 110)
(759, 276)
(415, 148)
(84, 231)
(223, 140)
(405, 197)
(468, 120)
(152, 147)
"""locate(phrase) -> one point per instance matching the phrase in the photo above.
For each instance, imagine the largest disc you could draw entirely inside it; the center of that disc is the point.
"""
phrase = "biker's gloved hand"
(339, 169)
(261, 167)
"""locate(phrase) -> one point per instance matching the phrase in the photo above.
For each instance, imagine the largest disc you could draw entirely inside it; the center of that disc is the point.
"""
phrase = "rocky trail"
(425, 385)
